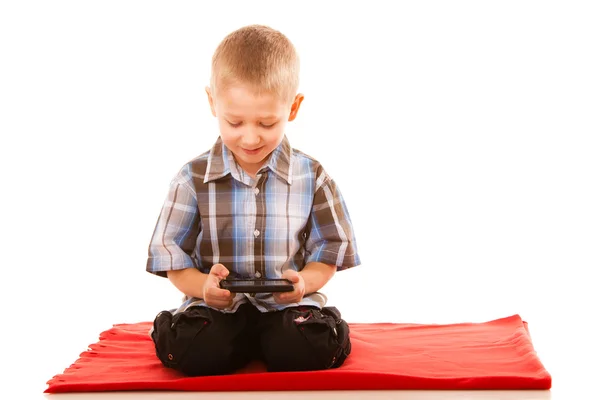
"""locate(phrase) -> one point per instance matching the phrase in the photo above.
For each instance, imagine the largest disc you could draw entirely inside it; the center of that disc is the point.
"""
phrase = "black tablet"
(257, 285)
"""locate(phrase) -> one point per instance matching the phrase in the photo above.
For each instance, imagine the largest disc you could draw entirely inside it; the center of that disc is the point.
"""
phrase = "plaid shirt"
(291, 214)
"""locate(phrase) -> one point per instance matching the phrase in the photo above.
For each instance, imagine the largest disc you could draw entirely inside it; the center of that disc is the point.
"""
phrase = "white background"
(463, 135)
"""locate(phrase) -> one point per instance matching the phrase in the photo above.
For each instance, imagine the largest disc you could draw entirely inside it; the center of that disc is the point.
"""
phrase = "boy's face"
(251, 126)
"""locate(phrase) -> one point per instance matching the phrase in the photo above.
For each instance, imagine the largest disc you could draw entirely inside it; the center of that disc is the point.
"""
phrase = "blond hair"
(259, 56)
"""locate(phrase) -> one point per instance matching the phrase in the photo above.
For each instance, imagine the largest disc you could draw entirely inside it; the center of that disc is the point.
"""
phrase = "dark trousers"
(201, 341)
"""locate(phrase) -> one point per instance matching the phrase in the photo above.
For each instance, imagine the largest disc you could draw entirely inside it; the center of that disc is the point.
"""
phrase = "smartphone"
(257, 285)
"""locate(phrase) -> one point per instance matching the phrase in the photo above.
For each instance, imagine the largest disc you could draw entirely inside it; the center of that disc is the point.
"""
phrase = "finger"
(218, 293)
(291, 275)
(219, 301)
(287, 297)
(278, 299)
(284, 298)
(219, 270)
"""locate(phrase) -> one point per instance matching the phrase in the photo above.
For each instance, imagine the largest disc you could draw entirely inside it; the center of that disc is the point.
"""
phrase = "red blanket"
(492, 355)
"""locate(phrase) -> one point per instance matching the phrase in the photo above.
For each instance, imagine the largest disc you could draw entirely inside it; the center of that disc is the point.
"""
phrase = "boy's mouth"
(252, 151)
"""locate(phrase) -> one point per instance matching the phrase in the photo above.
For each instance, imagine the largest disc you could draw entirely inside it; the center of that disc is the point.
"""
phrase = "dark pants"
(201, 341)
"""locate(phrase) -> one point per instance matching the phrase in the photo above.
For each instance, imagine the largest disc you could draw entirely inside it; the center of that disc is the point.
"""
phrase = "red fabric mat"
(497, 354)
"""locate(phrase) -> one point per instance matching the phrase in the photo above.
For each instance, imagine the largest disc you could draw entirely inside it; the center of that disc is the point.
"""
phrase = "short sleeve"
(330, 235)
(176, 231)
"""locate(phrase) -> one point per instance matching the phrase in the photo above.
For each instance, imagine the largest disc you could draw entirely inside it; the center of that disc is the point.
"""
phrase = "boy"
(252, 207)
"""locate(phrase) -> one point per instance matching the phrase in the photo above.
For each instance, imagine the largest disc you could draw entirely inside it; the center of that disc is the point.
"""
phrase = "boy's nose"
(250, 138)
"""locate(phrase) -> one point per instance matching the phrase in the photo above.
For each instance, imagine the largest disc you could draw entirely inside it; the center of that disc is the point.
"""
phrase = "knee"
(207, 354)
(306, 340)
(191, 344)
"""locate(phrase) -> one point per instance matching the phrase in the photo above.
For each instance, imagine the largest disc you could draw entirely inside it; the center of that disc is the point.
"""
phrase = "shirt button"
(257, 274)
(256, 233)
(256, 191)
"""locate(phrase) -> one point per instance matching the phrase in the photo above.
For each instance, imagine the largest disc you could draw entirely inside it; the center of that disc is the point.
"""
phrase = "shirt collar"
(221, 162)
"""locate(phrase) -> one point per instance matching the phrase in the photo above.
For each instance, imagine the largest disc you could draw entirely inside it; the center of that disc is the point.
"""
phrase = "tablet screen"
(271, 282)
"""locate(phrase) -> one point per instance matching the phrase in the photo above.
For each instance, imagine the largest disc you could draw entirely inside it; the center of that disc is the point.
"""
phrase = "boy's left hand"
(298, 293)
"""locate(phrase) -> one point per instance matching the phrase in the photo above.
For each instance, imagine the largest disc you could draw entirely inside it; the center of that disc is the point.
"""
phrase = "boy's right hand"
(214, 296)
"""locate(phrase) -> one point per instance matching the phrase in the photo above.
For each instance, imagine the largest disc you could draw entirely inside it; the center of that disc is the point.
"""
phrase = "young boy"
(252, 207)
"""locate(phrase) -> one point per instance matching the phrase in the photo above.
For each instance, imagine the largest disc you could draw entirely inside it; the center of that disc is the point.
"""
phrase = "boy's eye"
(237, 124)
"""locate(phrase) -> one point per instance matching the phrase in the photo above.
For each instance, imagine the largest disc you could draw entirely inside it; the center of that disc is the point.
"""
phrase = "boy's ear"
(296, 106)
(211, 101)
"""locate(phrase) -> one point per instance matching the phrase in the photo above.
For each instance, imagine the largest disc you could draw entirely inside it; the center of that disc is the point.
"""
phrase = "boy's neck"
(252, 170)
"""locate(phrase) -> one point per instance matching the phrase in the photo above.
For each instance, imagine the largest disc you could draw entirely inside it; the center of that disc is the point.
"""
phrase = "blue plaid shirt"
(290, 214)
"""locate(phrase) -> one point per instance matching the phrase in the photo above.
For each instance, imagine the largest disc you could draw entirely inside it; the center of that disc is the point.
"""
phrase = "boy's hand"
(299, 289)
(214, 296)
